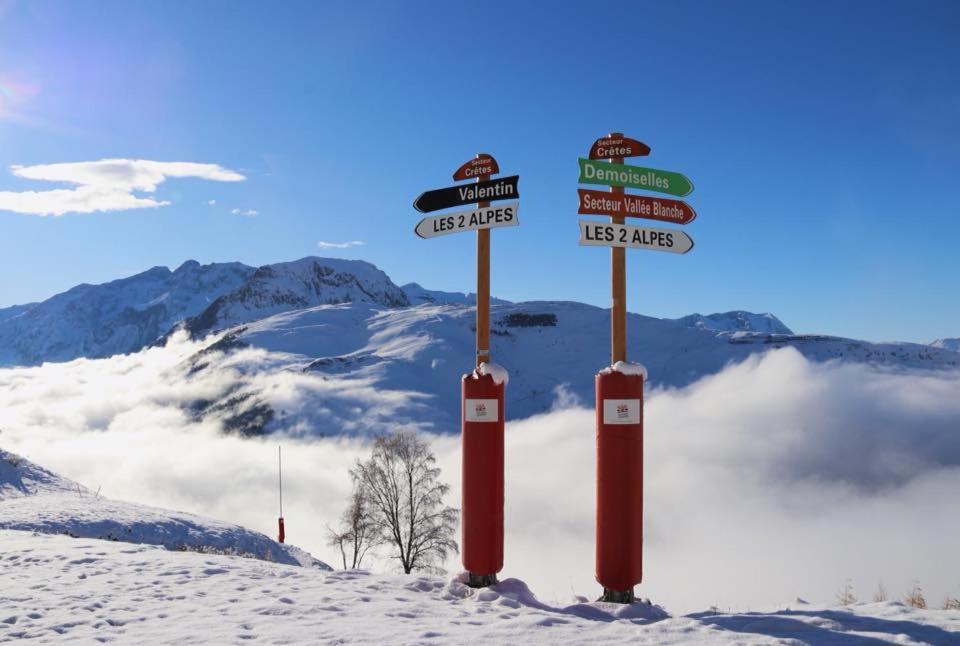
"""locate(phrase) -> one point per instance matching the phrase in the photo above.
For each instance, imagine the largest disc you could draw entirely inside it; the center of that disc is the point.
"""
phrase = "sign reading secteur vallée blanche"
(489, 217)
(504, 188)
(481, 166)
(607, 234)
(651, 179)
(610, 147)
(594, 202)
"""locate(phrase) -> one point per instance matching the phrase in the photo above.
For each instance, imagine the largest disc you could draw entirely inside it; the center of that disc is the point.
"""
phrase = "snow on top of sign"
(498, 372)
(626, 368)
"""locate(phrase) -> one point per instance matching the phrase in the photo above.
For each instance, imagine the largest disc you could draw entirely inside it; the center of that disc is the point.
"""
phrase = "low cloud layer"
(774, 479)
(323, 244)
(104, 185)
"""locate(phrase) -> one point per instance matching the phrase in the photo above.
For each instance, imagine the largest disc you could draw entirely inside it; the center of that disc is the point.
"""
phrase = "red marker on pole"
(281, 533)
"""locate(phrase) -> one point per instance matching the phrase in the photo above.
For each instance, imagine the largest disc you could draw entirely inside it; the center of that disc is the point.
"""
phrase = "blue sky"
(823, 140)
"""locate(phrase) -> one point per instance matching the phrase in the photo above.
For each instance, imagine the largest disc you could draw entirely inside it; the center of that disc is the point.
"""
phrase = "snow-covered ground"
(37, 500)
(58, 589)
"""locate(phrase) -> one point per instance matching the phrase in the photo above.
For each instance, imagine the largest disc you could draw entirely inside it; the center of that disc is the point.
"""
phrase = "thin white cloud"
(211, 202)
(249, 213)
(104, 185)
(323, 244)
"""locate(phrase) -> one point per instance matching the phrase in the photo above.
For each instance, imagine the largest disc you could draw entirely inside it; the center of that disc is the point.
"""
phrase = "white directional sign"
(607, 234)
(489, 217)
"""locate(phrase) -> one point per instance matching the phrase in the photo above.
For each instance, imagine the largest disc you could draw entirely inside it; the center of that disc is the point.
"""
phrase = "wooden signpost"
(619, 388)
(483, 389)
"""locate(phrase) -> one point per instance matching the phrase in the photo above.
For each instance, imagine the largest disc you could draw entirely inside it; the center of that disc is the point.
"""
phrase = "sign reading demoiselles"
(490, 217)
(607, 234)
(638, 206)
(651, 179)
(504, 188)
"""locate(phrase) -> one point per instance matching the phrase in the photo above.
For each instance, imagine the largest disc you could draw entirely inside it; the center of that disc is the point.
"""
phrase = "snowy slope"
(294, 285)
(373, 368)
(34, 499)
(56, 588)
(113, 318)
(947, 344)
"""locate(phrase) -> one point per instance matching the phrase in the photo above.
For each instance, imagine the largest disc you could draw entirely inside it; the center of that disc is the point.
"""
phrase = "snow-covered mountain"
(113, 318)
(34, 499)
(378, 368)
(737, 321)
(947, 344)
(294, 285)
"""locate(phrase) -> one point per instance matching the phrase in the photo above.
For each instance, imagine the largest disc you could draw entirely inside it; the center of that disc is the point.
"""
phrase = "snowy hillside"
(947, 344)
(57, 588)
(113, 318)
(377, 368)
(33, 499)
(294, 285)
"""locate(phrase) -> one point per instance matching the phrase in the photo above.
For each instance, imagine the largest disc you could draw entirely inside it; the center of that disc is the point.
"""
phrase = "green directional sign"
(650, 179)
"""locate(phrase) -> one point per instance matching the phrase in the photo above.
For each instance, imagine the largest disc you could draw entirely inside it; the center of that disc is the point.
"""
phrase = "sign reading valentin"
(651, 179)
(504, 188)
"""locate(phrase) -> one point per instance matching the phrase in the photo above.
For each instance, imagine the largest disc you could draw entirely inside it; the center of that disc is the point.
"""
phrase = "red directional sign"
(638, 206)
(610, 147)
(480, 166)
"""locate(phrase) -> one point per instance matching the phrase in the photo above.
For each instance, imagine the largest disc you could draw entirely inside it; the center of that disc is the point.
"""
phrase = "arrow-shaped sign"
(480, 166)
(489, 217)
(606, 234)
(504, 188)
(593, 202)
(617, 146)
(651, 179)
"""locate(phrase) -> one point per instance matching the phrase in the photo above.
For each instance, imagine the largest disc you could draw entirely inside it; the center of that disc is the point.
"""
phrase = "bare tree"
(400, 481)
(358, 532)
(845, 594)
(881, 593)
(915, 598)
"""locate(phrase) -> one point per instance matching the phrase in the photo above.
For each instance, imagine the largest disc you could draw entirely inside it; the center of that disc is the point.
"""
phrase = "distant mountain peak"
(297, 284)
(737, 321)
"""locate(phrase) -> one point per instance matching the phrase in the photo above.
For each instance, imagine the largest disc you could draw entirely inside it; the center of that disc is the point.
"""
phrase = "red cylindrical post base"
(619, 483)
(482, 520)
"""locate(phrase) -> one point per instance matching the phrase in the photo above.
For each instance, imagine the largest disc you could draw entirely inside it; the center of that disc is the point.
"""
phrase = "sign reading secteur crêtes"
(503, 188)
(651, 179)
(489, 217)
(610, 147)
(594, 202)
(608, 234)
(480, 166)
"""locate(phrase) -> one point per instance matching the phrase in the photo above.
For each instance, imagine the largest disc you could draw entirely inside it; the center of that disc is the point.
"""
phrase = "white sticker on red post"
(621, 411)
(482, 410)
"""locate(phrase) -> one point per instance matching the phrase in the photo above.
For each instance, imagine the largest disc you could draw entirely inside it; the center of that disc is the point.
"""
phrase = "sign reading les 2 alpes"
(651, 179)
(610, 147)
(609, 234)
(504, 188)
(481, 166)
(638, 206)
(488, 217)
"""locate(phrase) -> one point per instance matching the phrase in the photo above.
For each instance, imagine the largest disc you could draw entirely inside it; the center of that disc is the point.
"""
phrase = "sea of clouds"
(775, 479)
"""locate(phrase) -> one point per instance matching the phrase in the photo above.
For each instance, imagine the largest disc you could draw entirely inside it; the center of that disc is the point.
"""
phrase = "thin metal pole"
(618, 274)
(483, 289)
